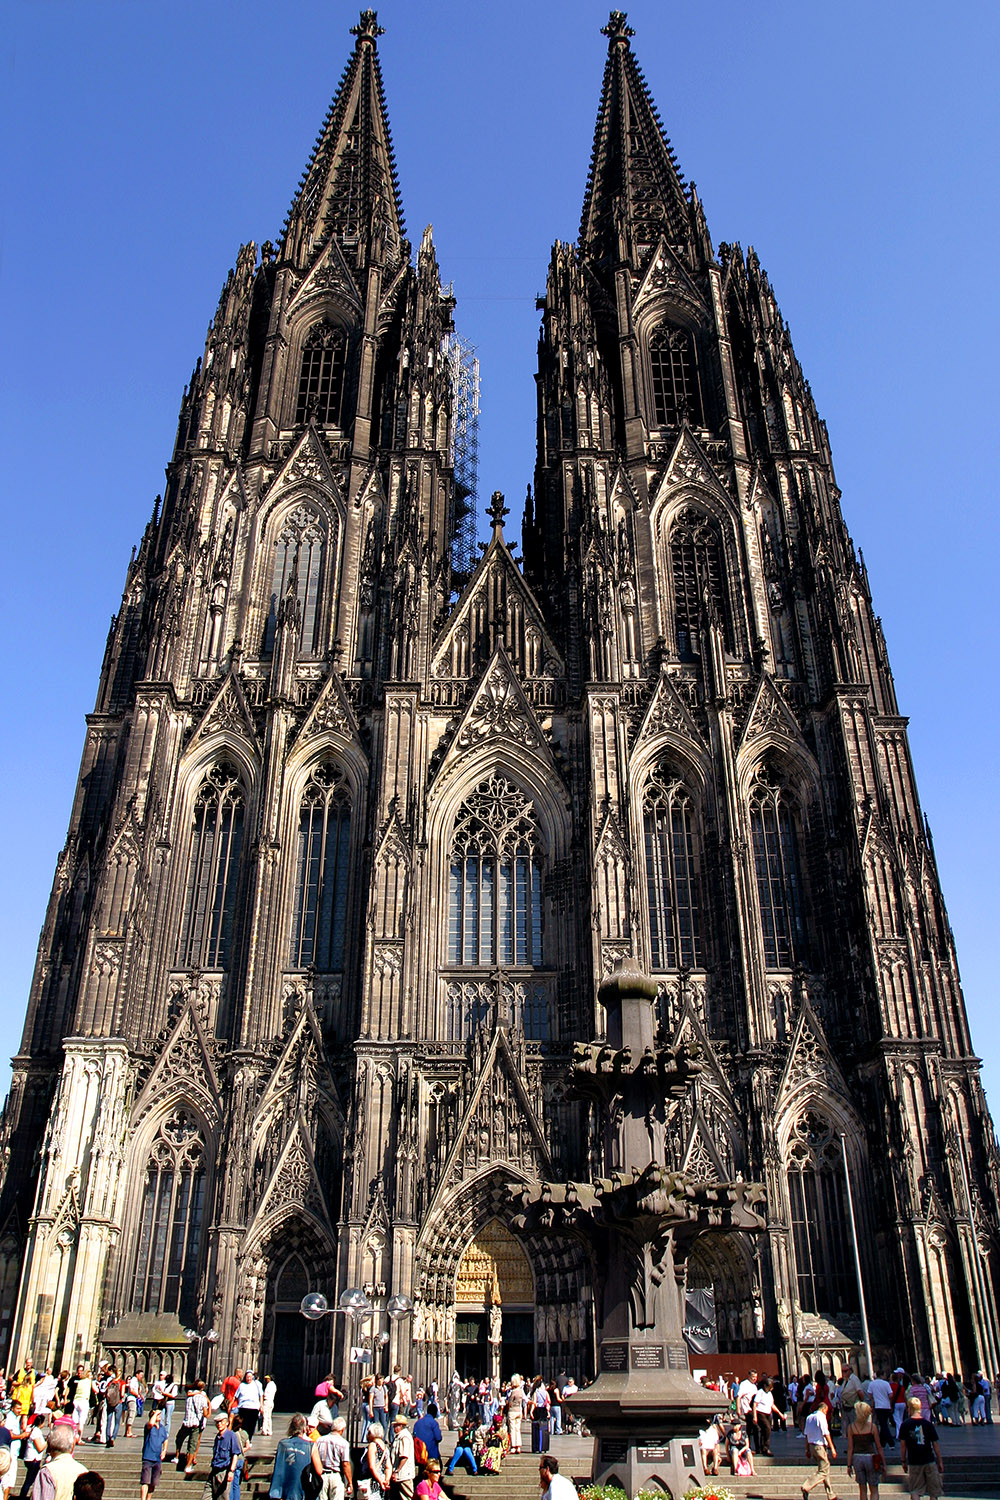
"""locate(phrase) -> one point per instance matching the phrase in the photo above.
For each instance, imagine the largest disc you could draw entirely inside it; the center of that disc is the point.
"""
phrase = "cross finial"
(497, 510)
(368, 26)
(617, 29)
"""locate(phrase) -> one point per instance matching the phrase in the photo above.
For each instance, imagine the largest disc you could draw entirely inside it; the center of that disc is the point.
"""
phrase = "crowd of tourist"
(874, 1415)
(46, 1418)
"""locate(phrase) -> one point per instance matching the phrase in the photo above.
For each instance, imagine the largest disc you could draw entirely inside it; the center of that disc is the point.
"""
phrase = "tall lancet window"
(319, 915)
(673, 872)
(676, 387)
(170, 1221)
(298, 565)
(697, 570)
(213, 868)
(495, 894)
(820, 1230)
(321, 379)
(777, 866)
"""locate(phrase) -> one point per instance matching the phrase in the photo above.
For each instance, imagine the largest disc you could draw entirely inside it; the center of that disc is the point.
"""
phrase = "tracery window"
(495, 894)
(697, 566)
(213, 867)
(820, 1225)
(298, 566)
(676, 388)
(170, 1222)
(319, 916)
(777, 868)
(321, 380)
(673, 872)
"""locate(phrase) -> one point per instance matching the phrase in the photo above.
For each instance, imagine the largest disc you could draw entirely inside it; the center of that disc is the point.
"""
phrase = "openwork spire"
(635, 192)
(349, 189)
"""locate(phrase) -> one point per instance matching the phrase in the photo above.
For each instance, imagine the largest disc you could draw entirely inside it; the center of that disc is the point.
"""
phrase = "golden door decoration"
(494, 1259)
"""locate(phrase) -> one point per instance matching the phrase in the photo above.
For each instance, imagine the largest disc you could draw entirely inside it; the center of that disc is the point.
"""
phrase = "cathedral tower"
(356, 836)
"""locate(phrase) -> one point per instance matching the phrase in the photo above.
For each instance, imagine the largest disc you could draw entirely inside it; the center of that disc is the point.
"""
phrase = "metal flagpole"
(857, 1259)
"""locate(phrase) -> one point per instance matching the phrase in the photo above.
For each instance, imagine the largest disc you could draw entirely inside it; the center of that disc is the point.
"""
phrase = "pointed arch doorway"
(494, 1306)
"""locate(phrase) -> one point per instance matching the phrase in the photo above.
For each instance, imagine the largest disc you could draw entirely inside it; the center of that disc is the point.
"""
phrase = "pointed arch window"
(778, 870)
(170, 1222)
(697, 568)
(495, 890)
(213, 868)
(298, 567)
(820, 1229)
(321, 378)
(319, 917)
(673, 872)
(676, 386)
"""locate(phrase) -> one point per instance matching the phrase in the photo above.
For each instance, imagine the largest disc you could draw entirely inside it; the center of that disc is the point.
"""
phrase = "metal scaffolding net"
(464, 366)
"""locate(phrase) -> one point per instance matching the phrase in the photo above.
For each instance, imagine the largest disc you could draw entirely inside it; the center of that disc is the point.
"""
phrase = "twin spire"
(635, 192)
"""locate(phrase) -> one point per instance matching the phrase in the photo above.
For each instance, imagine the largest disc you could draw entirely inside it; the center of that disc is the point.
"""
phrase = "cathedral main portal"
(494, 1306)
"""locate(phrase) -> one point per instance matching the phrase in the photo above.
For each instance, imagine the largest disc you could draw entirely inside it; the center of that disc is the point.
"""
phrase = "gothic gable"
(700, 1156)
(294, 1188)
(611, 846)
(499, 1127)
(667, 280)
(301, 1076)
(307, 463)
(331, 276)
(690, 1033)
(497, 712)
(668, 714)
(689, 465)
(331, 713)
(810, 1066)
(769, 714)
(228, 713)
(184, 1067)
(483, 618)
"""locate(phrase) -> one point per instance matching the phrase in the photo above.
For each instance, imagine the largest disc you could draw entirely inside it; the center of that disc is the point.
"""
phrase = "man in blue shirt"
(227, 1450)
(154, 1438)
(428, 1430)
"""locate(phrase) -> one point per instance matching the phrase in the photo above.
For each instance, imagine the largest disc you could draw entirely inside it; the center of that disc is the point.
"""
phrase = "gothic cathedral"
(358, 831)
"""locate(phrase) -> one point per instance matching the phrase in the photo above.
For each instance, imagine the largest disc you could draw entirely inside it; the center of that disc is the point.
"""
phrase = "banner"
(700, 1333)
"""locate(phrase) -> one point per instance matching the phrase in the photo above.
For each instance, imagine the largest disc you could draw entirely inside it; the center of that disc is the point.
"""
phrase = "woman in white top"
(763, 1411)
(81, 1397)
(267, 1406)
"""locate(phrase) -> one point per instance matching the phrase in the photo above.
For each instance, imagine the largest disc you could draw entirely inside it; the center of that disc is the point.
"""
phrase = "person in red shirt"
(230, 1386)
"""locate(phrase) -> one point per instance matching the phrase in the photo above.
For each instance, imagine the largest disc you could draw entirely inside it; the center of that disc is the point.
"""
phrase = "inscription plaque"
(614, 1356)
(677, 1357)
(647, 1357)
(613, 1451)
(653, 1455)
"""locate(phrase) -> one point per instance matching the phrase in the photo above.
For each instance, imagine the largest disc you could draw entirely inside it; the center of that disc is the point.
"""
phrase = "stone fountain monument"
(639, 1219)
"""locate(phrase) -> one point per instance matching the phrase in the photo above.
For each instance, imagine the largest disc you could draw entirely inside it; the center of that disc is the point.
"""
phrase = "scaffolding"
(464, 366)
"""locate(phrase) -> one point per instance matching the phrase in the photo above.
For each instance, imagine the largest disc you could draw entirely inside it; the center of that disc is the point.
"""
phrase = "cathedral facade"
(358, 833)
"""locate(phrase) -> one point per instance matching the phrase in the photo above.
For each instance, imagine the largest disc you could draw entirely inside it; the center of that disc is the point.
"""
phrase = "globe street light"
(194, 1337)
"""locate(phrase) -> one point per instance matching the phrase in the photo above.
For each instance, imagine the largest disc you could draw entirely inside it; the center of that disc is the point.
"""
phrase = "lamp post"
(359, 1304)
(194, 1337)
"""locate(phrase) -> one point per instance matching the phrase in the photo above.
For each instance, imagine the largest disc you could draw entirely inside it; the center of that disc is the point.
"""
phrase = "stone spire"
(349, 189)
(635, 192)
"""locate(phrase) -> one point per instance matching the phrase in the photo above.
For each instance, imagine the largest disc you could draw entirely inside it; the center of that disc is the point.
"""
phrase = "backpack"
(420, 1450)
(113, 1394)
(366, 1468)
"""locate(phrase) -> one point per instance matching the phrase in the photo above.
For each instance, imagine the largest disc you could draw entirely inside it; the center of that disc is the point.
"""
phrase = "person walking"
(249, 1396)
(154, 1440)
(763, 1416)
(196, 1409)
(880, 1395)
(820, 1447)
(921, 1454)
(865, 1456)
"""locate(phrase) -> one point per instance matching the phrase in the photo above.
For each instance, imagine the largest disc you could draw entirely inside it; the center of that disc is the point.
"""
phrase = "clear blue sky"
(854, 144)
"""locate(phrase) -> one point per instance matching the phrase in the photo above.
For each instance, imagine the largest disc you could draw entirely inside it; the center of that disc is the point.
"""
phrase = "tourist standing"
(291, 1456)
(267, 1406)
(555, 1486)
(379, 1462)
(227, 1450)
(331, 1458)
(249, 1395)
(404, 1467)
(196, 1409)
(880, 1395)
(921, 1454)
(515, 1413)
(154, 1440)
(57, 1475)
(763, 1416)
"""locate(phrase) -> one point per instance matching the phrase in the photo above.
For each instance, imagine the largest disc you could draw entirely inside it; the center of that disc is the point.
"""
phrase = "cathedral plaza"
(377, 823)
